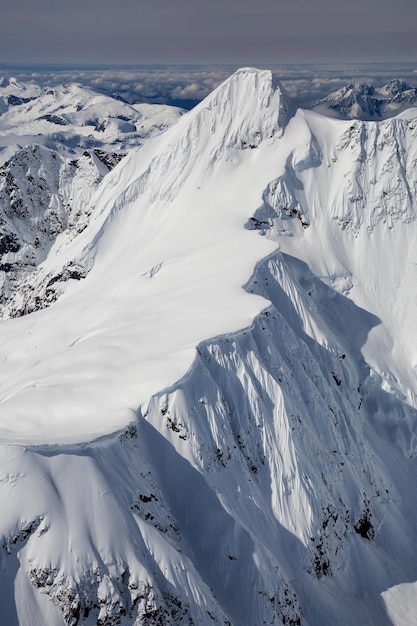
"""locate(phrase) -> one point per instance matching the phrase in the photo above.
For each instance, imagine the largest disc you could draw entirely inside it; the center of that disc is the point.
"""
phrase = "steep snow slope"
(168, 260)
(274, 482)
(356, 185)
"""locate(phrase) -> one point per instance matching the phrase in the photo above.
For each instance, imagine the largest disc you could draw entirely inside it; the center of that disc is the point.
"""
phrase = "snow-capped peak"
(356, 100)
(169, 261)
(394, 87)
(12, 85)
(366, 102)
(250, 105)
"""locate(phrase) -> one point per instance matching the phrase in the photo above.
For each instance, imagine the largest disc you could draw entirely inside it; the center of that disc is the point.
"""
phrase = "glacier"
(177, 449)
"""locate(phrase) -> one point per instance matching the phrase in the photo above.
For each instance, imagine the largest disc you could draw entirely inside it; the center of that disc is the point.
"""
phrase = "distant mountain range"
(71, 118)
(361, 101)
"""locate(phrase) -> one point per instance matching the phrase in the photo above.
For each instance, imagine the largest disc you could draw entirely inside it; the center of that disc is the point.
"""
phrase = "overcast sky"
(236, 31)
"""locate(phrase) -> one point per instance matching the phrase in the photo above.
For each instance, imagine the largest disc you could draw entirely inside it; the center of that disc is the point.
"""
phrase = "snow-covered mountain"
(177, 449)
(365, 102)
(71, 119)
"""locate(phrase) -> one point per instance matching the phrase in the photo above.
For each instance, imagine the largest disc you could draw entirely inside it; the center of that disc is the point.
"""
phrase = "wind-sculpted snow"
(249, 454)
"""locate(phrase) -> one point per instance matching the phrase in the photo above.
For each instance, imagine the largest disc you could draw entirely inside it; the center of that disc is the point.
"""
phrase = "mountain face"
(177, 449)
(361, 101)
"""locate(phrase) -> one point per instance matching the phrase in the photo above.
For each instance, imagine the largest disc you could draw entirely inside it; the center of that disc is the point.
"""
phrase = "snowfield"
(208, 371)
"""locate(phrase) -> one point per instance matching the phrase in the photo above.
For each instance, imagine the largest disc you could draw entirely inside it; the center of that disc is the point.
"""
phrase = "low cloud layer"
(185, 86)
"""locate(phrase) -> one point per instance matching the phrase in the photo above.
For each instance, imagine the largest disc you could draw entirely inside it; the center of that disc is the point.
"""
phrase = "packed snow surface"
(401, 603)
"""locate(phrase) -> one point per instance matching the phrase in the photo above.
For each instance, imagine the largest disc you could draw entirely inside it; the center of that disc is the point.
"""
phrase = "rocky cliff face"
(42, 196)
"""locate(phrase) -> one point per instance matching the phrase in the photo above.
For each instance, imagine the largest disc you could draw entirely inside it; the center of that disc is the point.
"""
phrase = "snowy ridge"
(243, 112)
(266, 477)
(266, 448)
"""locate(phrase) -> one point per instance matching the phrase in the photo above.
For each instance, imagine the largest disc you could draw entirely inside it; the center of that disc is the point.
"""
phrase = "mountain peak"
(394, 87)
(356, 100)
(246, 109)
(258, 89)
